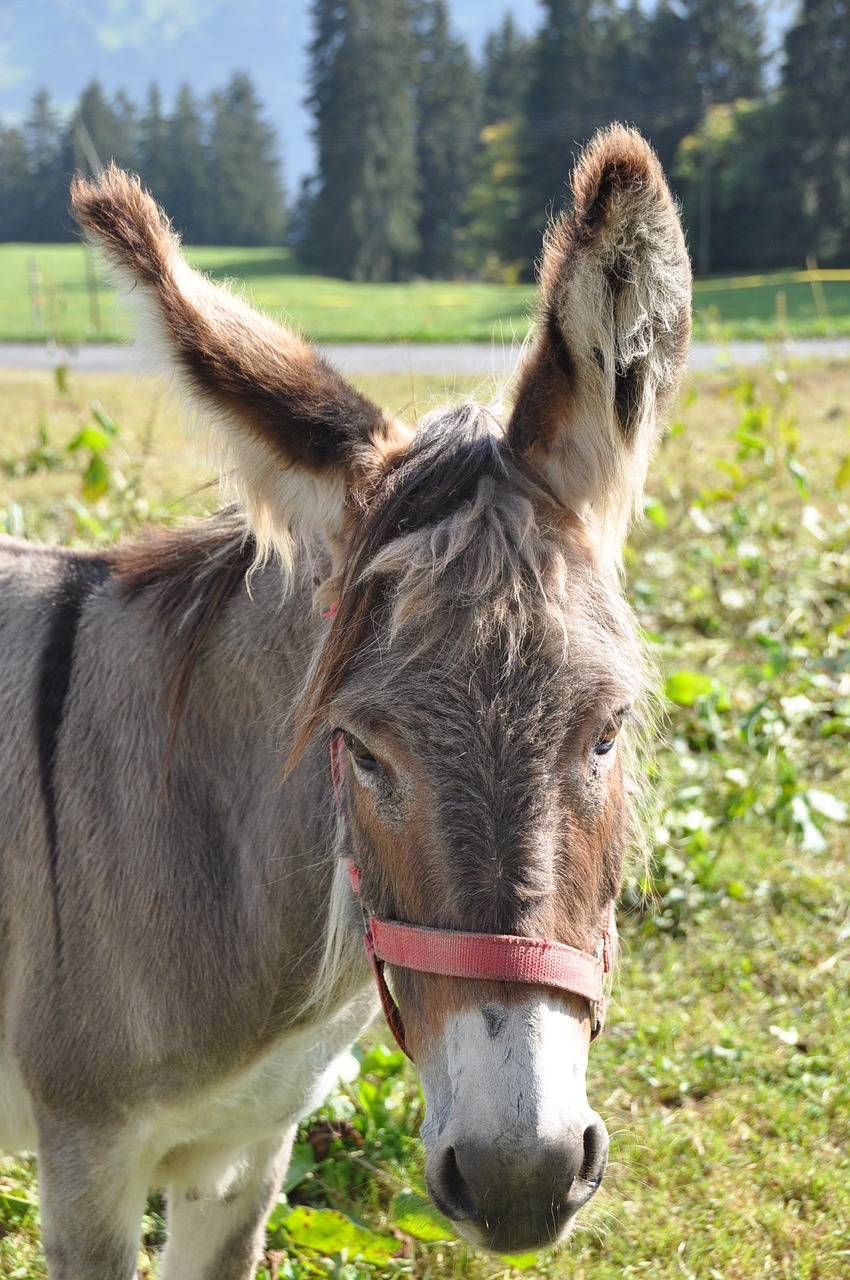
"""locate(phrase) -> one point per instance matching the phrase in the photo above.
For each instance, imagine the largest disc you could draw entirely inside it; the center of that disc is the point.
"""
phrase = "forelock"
(461, 547)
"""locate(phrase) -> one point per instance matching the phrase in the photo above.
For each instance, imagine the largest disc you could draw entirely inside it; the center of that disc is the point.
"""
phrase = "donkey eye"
(360, 754)
(604, 744)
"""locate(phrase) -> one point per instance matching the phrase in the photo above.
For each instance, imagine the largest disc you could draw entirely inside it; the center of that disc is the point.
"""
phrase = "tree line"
(431, 163)
(213, 164)
(428, 163)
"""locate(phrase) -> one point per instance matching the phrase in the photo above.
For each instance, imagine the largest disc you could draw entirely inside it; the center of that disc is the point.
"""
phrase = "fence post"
(35, 295)
(817, 290)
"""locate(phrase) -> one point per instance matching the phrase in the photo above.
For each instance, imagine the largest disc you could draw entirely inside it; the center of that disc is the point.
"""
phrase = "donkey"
(395, 684)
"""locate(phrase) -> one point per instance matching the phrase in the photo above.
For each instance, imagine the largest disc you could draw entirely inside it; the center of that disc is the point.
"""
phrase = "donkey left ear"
(613, 331)
(301, 437)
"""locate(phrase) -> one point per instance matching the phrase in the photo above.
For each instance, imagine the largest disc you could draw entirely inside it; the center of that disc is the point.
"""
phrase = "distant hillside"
(62, 46)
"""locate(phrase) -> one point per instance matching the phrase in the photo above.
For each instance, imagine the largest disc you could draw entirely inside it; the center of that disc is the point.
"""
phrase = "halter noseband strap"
(485, 956)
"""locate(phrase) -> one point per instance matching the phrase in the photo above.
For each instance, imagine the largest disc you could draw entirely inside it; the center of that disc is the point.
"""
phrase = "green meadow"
(74, 305)
(55, 292)
(724, 1072)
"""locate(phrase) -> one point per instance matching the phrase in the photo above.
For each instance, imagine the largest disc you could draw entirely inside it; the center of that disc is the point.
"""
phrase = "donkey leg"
(92, 1190)
(218, 1234)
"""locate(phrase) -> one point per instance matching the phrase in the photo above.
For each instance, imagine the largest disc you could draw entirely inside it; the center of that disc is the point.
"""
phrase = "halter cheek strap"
(484, 956)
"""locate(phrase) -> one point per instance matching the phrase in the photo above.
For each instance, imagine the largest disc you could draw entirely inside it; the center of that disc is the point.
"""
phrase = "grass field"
(724, 1074)
(327, 310)
(784, 303)
(53, 292)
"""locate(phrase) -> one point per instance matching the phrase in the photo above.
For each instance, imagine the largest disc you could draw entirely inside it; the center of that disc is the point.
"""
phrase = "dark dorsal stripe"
(81, 576)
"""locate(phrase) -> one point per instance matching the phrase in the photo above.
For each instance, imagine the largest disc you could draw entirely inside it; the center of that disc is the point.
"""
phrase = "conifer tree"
(246, 204)
(817, 100)
(505, 72)
(446, 135)
(151, 148)
(185, 166)
(14, 185)
(363, 215)
(568, 98)
(48, 166)
(103, 130)
(726, 47)
(699, 53)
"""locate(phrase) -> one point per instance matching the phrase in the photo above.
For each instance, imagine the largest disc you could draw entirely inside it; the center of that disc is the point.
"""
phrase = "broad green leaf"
(92, 438)
(656, 512)
(684, 687)
(15, 1204)
(96, 479)
(836, 726)
(382, 1060)
(416, 1216)
(522, 1261)
(303, 1162)
(842, 475)
(328, 1232)
(279, 1213)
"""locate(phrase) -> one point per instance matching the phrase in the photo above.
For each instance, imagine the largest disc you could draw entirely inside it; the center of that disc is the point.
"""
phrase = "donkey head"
(481, 663)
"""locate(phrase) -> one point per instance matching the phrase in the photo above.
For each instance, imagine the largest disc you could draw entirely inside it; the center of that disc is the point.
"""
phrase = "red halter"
(490, 956)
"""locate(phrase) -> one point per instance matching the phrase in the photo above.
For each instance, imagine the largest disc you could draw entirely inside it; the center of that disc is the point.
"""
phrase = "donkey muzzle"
(515, 1200)
(514, 1150)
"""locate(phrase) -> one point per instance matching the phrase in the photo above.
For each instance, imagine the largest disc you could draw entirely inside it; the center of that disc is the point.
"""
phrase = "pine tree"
(364, 212)
(726, 47)
(14, 185)
(446, 136)
(103, 131)
(568, 97)
(505, 72)
(698, 53)
(152, 147)
(671, 99)
(817, 100)
(185, 166)
(246, 192)
(48, 170)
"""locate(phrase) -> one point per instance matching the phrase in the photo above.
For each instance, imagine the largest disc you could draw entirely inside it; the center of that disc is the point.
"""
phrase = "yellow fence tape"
(775, 280)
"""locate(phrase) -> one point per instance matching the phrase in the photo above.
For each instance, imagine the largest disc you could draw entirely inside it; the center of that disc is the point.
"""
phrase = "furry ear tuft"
(612, 339)
(300, 436)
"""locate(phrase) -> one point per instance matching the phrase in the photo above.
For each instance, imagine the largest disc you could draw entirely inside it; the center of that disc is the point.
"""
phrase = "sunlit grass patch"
(57, 292)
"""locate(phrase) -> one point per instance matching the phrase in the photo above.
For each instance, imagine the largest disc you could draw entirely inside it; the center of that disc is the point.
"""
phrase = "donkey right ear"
(612, 339)
(301, 437)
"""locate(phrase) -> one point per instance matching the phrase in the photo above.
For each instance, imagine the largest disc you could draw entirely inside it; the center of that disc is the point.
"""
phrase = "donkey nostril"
(449, 1190)
(595, 1140)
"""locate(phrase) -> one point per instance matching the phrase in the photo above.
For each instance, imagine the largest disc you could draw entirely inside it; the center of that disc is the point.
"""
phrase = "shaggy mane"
(459, 535)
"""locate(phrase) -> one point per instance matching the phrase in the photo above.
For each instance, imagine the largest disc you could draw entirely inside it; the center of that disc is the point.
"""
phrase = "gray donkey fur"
(180, 955)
